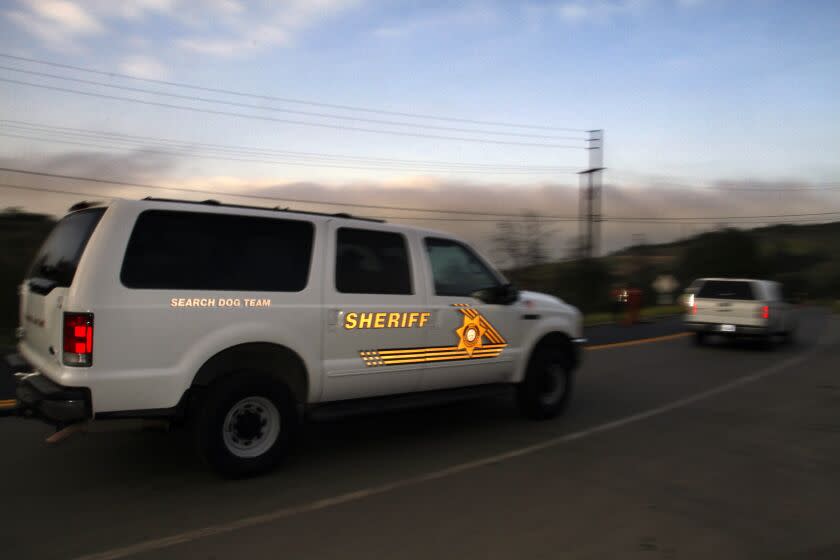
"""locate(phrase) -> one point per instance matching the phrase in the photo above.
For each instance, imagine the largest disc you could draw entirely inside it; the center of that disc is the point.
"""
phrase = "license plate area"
(727, 328)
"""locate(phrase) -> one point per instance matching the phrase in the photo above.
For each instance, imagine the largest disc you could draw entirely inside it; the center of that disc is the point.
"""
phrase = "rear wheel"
(547, 388)
(790, 335)
(244, 424)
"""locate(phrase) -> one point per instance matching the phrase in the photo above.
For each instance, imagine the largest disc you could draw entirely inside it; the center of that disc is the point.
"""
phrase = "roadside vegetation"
(803, 257)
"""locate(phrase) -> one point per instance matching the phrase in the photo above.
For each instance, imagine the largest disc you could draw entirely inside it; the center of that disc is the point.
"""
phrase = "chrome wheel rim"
(251, 427)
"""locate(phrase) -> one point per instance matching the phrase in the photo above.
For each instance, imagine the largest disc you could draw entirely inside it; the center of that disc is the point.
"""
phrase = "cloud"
(65, 14)
(470, 15)
(258, 38)
(602, 11)
(132, 166)
(143, 67)
(658, 197)
(59, 23)
(243, 30)
(594, 11)
(223, 28)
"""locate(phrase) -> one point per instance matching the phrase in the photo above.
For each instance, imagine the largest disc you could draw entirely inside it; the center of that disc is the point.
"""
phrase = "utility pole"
(590, 196)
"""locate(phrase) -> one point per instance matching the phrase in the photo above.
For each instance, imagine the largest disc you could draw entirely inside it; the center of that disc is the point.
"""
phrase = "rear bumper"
(39, 397)
(717, 328)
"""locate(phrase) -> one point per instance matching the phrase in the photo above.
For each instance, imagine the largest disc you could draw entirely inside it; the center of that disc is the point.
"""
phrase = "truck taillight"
(694, 309)
(78, 339)
(765, 311)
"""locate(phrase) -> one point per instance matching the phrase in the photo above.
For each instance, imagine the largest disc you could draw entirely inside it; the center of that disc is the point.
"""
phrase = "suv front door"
(476, 342)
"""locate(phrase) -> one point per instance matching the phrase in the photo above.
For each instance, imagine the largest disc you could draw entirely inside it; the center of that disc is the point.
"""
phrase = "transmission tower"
(590, 196)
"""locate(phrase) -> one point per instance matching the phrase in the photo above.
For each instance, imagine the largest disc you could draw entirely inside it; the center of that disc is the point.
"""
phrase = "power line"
(287, 99)
(724, 218)
(261, 197)
(72, 136)
(286, 121)
(829, 185)
(289, 111)
(274, 162)
(518, 219)
(616, 219)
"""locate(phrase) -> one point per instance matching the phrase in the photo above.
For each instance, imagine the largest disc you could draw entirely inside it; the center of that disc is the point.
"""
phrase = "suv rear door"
(48, 281)
(374, 320)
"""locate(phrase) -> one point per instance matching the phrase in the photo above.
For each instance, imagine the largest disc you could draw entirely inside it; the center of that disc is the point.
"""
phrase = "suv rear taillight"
(765, 312)
(78, 339)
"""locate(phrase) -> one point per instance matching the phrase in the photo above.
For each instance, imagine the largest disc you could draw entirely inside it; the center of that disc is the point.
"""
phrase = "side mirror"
(504, 294)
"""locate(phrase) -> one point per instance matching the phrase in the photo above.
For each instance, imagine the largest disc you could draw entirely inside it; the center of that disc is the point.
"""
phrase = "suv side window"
(372, 262)
(456, 270)
(176, 250)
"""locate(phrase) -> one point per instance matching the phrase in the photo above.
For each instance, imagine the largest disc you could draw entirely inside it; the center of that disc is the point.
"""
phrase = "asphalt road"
(668, 451)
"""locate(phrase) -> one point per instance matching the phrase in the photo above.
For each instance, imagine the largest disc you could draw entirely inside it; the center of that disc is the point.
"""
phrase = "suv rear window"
(726, 289)
(371, 262)
(177, 250)
(59, 256)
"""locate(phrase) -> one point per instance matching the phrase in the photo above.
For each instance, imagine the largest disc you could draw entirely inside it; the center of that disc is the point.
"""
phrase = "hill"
(804, 257)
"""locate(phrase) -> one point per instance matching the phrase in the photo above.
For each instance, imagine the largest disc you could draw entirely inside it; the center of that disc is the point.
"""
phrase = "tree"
(520, 244)
(730, 252)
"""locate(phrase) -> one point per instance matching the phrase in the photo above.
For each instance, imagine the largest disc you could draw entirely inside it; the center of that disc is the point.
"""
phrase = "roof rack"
(213, 202)
(84, 204)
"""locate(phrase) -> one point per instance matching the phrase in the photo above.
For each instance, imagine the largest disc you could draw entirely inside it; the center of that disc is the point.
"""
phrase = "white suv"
(243, 321)
(738, 307)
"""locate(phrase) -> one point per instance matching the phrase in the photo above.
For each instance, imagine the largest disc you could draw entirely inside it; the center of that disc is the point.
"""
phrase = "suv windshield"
(59, 255)
(726, 289)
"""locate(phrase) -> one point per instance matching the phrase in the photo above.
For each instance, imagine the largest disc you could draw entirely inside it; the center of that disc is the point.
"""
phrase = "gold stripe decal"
(477, 339)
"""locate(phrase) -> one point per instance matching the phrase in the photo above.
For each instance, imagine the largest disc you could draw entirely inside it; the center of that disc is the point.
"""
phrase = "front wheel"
(245, 423)
(547, 388)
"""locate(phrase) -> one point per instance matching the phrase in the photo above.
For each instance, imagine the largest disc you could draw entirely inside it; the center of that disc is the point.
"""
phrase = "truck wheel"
(790, 336)
(244, 424)
(547, 388)
(768, 342)
(699, 338)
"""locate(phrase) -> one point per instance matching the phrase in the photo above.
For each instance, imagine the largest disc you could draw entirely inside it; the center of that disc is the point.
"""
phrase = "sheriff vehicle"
(241, 322)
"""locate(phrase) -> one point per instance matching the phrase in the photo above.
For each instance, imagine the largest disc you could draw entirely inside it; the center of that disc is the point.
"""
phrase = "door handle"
(335, 317)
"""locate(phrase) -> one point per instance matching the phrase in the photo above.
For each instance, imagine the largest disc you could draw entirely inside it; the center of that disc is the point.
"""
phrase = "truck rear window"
(176, 250)
(59, 256)
(726, 289)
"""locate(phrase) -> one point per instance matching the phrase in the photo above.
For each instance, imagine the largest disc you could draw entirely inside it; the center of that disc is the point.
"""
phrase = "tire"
(245, 424)
(768, 343)
(790, 336)
(700, 338)
(548, 385)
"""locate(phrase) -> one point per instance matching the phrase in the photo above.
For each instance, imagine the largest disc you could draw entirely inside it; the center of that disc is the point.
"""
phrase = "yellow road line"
(8, 403)
(639, 341)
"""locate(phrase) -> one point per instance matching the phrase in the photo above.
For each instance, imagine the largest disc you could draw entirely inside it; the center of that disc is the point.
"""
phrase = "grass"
(592, 319)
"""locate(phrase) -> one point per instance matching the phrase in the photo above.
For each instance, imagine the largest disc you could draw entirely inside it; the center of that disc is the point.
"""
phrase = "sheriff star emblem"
(470, 334)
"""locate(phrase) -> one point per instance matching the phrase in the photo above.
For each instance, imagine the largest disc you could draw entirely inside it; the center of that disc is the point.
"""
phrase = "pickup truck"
(738, 307)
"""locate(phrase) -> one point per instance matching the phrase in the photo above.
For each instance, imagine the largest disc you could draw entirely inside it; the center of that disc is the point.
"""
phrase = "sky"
(710, 108)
